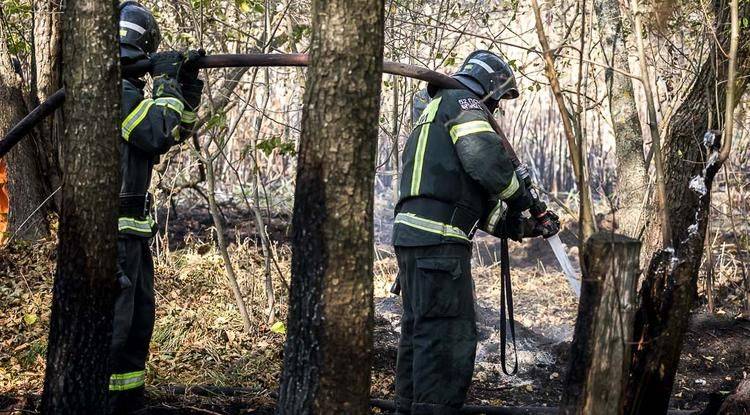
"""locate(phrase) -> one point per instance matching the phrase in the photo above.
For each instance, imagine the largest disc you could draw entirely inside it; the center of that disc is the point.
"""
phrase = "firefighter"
(456, 178)
(150, 127)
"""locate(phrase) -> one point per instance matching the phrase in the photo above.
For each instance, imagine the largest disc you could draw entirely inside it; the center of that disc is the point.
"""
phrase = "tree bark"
(25, 187)
(631, 164)
(598, 369)
(738, 403)
(328, 353)
(77, 373)
(47, 42)
(669, 289)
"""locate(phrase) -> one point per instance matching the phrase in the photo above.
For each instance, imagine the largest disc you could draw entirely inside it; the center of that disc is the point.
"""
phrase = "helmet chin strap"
(491, 104)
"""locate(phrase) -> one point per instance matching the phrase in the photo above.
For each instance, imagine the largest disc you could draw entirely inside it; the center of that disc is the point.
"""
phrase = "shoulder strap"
(506, 294)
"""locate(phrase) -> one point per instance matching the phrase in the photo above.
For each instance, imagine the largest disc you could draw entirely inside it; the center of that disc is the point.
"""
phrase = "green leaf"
(278, 328)
(244, 6)
(276, 143)
(30, 319)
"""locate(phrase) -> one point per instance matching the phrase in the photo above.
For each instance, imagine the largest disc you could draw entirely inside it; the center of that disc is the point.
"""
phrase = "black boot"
(130, 402)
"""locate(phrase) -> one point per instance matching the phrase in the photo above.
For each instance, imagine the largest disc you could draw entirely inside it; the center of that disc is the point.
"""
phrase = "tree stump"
(738, 403)
(598, 368)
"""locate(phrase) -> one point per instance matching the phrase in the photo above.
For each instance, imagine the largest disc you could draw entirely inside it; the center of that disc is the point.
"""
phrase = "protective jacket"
(457, 176)
(150, 127)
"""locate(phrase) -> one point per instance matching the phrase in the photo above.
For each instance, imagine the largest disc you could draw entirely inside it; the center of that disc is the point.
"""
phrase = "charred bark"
(329, 347)
(598, 369)
(77, 373)
(669, 289)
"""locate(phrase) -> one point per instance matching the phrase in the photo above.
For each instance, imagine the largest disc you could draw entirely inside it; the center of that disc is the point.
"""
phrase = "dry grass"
(198, 337)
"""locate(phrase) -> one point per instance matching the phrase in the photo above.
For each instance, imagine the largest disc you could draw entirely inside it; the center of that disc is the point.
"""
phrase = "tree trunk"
(669, 289)
(329, 347)
(598, 369)
(77, 373)
(631, 163)
(25, 188)
(47, 37)
(738, 403)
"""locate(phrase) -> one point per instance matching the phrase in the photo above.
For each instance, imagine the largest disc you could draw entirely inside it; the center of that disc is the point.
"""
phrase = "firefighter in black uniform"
(150, 126)
(457, 177)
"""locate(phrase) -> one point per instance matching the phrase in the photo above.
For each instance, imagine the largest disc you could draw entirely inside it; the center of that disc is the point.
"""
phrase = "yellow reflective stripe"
(511, 189)
(127, 381)
(135, 117)
(416, 177)
(171, 103)
(495, 215)
(427, 225)
(131, 224)
(427, 117)
(471, 127)
(189, 117)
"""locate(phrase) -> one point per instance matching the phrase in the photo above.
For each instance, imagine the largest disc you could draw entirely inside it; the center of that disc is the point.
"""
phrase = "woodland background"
(225, 199)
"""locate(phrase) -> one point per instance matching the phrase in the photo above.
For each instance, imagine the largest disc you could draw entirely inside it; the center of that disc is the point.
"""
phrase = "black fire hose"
(24, 127)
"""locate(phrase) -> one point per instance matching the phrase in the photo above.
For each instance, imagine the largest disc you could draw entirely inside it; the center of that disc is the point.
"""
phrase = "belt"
(446, 213)
(135, 205)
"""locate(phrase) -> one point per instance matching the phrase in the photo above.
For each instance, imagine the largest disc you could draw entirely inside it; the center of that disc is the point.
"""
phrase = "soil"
(194, 303)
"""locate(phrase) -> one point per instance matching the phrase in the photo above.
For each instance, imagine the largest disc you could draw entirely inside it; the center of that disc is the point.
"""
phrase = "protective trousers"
(438, 329)
(133, 324)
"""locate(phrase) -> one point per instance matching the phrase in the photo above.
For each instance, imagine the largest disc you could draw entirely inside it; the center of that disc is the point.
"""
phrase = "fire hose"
(140, 68)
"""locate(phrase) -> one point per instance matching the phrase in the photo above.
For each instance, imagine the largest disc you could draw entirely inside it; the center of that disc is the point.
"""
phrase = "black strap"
(506, 292)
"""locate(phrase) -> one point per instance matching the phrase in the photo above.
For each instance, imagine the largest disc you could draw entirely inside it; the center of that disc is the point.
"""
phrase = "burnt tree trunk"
(77, 374)
(25, 184)
(328, 353)
(631, 164)
(598, 368)
(669, 289)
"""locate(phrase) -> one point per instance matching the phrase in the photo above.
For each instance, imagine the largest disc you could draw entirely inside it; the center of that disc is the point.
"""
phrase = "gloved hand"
(190, 68)
(192, 91)
(512, 227)
(167, 64)
(517, 227)
(521, 200)
(546, 225)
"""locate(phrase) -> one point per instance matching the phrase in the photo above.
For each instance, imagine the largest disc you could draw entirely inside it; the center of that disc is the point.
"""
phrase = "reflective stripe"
(486, 67)
(471, 127)
(127, 381)
(171, 103)
(132, 26)
(144, 227)
(511, 189)
(495, 215)
(189, 117)
(416, 177)
(135, 118)
(427, 117)
(427, 225)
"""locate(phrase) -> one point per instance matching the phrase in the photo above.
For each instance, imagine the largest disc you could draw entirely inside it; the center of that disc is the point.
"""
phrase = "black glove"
(192, 91)
(190, 68)
(512, 227)
(547, 224)
(521, 200)
(167, 64)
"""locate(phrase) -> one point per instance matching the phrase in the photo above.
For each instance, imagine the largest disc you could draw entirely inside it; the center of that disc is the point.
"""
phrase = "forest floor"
(202, 361)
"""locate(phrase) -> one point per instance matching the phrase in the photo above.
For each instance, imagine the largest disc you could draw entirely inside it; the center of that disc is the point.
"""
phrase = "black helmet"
(139, 33)
(487, 75)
